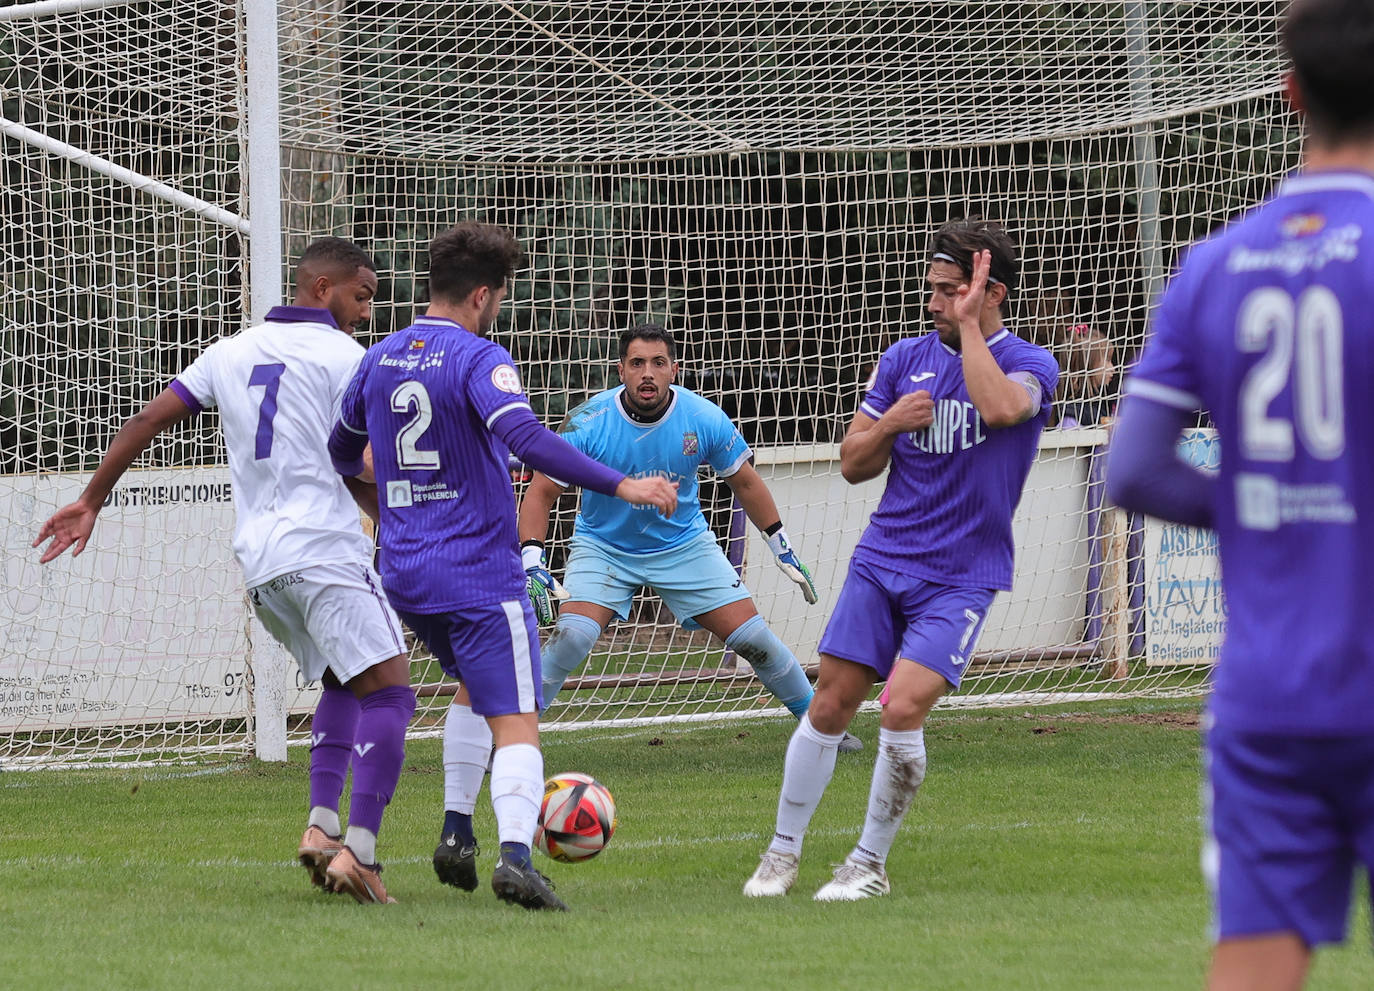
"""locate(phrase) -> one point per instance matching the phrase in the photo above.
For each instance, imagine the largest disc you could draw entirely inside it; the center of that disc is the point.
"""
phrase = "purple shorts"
(882, 615)
(1288, 820)
(493, 650)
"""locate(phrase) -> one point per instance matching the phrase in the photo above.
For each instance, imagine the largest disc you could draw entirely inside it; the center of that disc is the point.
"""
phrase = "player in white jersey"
(299, 540)
(648, 426)
(954, 417)
(1267, 326)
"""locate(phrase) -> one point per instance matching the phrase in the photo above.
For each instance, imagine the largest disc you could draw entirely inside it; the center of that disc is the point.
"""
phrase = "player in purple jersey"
(956, 415)
(1268, 327)
(297, 537)
(444, 408)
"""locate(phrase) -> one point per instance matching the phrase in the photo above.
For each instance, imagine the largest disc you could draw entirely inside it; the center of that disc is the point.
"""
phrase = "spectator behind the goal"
(1087, 362)
(957, 414)
(1269, 325)
(445, 409)
(299, 540)
(644, 427)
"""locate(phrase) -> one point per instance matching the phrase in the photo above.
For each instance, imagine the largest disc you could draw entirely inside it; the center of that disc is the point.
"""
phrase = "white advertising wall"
(149, 624)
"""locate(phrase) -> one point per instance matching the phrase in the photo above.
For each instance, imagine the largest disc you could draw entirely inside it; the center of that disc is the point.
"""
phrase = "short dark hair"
(959, 239)
(1331, 44)
(334, 254)
(469, 255)
(647, 332)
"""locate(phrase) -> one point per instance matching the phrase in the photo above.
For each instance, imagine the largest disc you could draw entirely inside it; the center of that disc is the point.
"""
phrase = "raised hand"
(968, 300)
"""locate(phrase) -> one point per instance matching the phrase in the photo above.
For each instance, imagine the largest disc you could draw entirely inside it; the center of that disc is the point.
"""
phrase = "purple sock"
(379, 750)
(331, 741)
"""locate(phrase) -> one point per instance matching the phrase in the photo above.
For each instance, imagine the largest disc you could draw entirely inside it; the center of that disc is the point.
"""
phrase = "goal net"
(760, 177)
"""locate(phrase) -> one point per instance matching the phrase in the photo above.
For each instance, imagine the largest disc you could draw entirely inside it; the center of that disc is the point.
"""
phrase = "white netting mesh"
(761, 177)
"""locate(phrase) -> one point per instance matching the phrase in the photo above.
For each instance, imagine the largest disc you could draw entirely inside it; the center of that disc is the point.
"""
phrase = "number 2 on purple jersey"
(270, 377)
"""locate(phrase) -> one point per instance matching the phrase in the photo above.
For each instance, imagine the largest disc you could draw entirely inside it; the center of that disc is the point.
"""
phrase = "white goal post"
(761, 177)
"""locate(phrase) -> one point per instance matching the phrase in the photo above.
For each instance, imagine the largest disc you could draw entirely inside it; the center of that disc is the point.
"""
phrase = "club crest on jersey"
(505, 378)
(1303, 224)
(689, 442)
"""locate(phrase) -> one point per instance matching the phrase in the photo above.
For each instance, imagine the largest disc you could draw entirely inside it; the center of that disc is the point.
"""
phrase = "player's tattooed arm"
(1001, 400)
(532, 523)
(753, 495)
(762, 510)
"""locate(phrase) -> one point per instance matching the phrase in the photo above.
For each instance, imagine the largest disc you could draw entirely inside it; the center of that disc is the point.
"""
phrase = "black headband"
(940, 256)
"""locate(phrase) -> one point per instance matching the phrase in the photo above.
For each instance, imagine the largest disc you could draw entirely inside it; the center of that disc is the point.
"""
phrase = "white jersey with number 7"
(277, 387)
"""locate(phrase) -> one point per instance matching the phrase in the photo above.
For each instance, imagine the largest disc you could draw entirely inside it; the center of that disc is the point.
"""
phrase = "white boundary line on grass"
(961, 702)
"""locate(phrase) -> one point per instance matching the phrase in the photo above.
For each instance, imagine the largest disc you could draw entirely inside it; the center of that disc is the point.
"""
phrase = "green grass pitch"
(1049, 848)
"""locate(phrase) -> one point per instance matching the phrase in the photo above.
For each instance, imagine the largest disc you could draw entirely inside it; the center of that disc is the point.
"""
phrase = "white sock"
(517, 790)
(897, 774)
(326, 819)
(363, 843)
(467, 748)
(806, 771)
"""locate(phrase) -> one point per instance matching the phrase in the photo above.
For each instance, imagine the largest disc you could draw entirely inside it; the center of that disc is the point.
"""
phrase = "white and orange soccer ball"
(577, 818)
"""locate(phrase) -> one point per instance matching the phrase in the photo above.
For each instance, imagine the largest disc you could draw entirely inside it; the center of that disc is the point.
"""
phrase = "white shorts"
(330, 616)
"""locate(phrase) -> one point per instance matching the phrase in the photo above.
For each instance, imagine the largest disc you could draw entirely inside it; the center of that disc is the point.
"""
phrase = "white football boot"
(853, 880)
(776, 873)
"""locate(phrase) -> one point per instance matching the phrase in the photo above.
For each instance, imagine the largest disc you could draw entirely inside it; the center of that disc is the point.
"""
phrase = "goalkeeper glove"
(541, 586)
(790, 564)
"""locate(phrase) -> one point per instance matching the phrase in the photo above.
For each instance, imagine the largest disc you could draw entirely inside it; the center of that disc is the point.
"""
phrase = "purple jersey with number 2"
(427, 397)
(1270, 327)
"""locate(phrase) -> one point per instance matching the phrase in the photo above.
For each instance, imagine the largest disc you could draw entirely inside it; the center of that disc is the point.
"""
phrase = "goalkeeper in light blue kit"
(645, 427)
(1269, 326)
(957, 415)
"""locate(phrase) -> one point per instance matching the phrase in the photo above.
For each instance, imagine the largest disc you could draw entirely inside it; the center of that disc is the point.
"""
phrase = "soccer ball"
(577, 818)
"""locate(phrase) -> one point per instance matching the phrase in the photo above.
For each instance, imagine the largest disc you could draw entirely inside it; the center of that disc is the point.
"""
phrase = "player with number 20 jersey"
(1268, 327)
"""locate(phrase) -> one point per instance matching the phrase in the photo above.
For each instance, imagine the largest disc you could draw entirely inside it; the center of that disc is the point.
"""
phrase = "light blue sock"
(776, 666)
(572, 640)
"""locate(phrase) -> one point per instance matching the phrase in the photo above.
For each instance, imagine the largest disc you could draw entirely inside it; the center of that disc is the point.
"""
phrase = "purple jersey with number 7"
(1269, 327)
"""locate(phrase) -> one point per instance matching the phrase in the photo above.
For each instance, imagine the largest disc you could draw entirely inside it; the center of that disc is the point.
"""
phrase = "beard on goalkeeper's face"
(647, 397)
